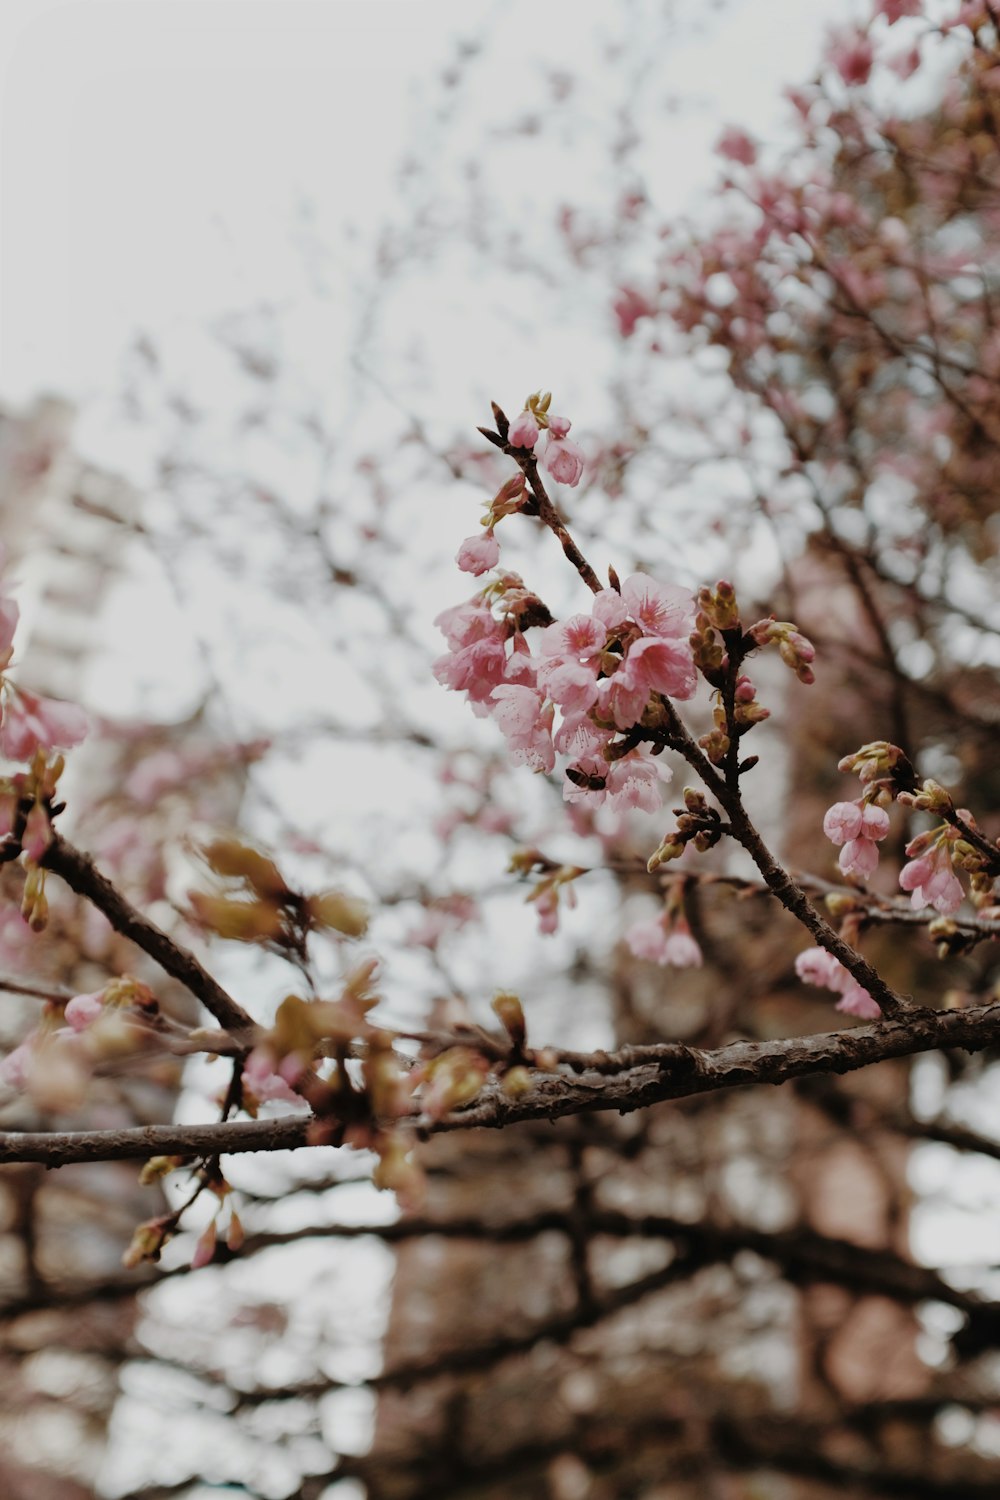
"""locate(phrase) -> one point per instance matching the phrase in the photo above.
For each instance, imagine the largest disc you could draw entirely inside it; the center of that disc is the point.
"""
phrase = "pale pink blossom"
(621, 699)
(559, 427)
(476, 669)
(858, 827)
(663, 609)
(526, 724)
(633, 782)
(817, 966)
(262, 1079)
(842, 822)
(564, 461)
(653, 942)
(660, 665)
(578, 737)
(648, 940)
(858, 857)
(571, 684)
(31, 723)
(523, 431)
(579, 636)
(610, 609)
(478, 554)
(932, 882)
(856, 1001)
(154, 775)
(682, 950)
(464, 623)
(874, 822)
(83, 1010)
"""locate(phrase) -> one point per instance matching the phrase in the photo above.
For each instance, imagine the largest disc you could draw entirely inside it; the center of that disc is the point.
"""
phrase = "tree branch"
(82, 876)
(632, 1079)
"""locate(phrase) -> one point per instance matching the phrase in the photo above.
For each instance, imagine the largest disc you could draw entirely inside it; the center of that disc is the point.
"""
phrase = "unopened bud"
(508, 1010)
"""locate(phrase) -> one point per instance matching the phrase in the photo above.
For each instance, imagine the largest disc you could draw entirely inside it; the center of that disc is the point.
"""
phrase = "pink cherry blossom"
(648, 940)
(476, 669)
(858, 857)
(660, 665)
(579, 636)
(817, 966)
(663, 609)
(478, 554)
(83, 1010)
(682, 950)
(621, 699)
(610, 609)
(578, 736)
(564, 461)
(856, 1001)
(526, 724)
(559, 427)
(31, 723)
(842, 822)
(933, 882)
(874, 822)
(633, 782)
(654, 943)
(571, 684)
(523, 431)
(262, 1079)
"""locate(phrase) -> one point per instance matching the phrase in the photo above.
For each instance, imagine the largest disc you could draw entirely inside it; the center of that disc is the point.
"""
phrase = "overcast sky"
(154, 151)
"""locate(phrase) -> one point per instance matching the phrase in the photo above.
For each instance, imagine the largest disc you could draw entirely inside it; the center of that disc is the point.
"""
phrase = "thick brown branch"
(631, 1080)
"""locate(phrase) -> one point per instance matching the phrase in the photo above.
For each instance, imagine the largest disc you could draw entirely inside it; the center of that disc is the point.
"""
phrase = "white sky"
(153, 151)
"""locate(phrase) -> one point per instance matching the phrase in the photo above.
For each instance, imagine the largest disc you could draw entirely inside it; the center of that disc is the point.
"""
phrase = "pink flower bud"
(564, 461)
(858, 857)
(478, 554)
(523, 431)
(559, 427)
(842, 821)
(874, 822)
(83, 1010)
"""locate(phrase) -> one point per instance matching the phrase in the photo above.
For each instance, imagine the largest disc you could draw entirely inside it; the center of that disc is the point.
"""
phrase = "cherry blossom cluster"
(598, 670)
(929, 876)
(561, 458)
